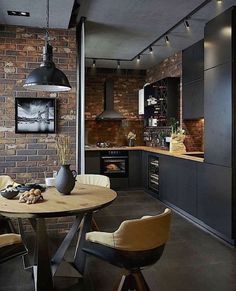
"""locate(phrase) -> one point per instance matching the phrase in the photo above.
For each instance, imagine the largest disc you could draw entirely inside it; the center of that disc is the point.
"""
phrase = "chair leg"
(94, 225)
(126, 283)
(140, 282)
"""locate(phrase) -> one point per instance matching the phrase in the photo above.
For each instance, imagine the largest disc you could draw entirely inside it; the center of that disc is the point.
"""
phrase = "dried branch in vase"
(63, 149)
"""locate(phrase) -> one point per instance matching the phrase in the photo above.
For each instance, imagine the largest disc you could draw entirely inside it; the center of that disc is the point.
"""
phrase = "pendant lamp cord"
(47, 23)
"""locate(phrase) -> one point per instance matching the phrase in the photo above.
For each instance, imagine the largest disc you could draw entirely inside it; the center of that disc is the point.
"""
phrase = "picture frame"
(35, 115)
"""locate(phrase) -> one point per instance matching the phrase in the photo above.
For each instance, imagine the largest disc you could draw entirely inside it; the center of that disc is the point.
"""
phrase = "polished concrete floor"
(193, 260)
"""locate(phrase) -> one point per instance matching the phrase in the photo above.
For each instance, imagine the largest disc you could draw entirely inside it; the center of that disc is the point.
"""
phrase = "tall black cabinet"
(219, 88)
(220, 120)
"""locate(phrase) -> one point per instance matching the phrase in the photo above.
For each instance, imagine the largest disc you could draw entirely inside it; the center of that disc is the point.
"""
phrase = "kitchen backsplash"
(126, 86)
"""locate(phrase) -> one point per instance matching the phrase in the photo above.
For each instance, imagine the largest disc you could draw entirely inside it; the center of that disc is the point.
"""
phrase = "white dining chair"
(97, 180)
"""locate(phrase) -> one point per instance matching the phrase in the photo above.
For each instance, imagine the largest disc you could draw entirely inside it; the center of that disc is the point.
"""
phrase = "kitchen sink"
(197, 155)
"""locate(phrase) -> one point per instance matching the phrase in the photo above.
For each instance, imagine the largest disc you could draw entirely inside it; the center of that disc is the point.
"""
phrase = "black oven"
(115, 163)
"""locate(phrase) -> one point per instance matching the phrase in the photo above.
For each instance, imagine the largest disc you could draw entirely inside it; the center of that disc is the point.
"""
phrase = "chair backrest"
(11, 246)
(146, 233)
(93, 179)
(5, 181)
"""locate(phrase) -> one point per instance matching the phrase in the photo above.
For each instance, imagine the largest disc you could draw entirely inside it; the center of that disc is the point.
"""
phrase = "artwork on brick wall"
(35, 115)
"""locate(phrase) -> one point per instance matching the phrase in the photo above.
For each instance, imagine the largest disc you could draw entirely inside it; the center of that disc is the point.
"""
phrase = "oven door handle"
(115, 157)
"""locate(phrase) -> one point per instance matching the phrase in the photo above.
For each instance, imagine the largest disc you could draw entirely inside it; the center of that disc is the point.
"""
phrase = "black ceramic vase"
(65, 180)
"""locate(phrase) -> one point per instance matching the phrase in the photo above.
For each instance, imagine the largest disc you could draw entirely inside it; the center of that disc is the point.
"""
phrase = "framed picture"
(35, 115)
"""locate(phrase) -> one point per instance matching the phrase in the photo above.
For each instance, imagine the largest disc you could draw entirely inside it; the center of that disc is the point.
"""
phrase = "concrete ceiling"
(121, 29)
(59, 12)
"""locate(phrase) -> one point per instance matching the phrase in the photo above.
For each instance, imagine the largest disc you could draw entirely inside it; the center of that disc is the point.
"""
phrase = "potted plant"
(131, 139)
(177, 137)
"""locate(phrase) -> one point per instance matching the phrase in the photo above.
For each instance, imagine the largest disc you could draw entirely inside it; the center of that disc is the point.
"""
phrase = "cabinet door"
(144, 170)
(214, 197)
(135, 173)
(218, 115)
(193, 100)
(168, 170)
(218, 40)
(178, 181)
(92, 162)
(193, 62)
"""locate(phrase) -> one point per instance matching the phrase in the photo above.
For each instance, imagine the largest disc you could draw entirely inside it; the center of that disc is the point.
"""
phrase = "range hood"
(109, 112)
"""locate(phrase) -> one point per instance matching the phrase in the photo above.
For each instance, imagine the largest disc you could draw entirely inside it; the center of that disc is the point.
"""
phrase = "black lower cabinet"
(178, 181)
(144, 169)
(92, 162)
(215, 197)
(135, 169)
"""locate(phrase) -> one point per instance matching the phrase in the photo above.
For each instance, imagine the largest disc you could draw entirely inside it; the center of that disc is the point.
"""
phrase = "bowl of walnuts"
(30, 197)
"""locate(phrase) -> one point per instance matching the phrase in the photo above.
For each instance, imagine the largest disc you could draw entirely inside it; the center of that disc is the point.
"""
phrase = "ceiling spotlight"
(118, 64)
(94, 63)
(150, 50)
(167, 39)
(138, 58)
(18, 13)
(186, 23)
(219, 1)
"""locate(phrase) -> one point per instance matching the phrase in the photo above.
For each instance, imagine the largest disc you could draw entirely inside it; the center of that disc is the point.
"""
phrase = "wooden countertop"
(151, 150)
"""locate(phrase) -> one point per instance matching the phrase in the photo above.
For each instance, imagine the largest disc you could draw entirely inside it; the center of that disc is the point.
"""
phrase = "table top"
(83, 198)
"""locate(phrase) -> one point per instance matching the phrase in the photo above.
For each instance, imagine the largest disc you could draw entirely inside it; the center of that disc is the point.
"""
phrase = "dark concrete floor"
(192, 261)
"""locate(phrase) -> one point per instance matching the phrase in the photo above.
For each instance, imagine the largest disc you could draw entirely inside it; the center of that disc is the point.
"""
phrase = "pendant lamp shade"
(47, 77)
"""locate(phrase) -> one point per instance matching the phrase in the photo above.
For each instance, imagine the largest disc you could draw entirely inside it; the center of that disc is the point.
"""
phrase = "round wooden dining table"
(81, 203)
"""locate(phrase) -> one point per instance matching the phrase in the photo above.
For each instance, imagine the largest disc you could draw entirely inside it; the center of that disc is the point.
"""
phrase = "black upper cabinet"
(193, 81)
(193, 62)
(193, 100)
(161, 101)
(218, 39)
(218, 116)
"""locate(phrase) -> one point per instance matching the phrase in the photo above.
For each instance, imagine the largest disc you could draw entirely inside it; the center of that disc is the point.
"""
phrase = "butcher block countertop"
(151, 150)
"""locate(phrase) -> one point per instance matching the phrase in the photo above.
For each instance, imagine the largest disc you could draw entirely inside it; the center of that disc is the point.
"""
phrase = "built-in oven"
(115, 163)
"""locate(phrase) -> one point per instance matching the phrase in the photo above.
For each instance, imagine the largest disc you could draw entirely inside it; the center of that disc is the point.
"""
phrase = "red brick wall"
(172, 67)
(26, 156)
(126, 86)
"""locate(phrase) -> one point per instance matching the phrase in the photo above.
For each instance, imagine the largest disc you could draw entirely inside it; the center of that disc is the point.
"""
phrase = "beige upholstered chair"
(5, 222)
(11, 246)
(94, 179)
(5, 181)
(135, 244)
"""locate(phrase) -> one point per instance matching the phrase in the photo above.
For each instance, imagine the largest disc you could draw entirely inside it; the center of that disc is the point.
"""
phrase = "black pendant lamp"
(47, 77)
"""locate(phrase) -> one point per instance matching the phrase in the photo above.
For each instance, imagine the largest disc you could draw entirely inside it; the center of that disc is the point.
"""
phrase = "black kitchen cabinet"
(135, 169)
(193, 81)
(193, 62)
(214, 197)
(218, 39)
(193, 100)
(218, 115)
(178, 180)
(161, 101)
(92, 162)
(144, 169)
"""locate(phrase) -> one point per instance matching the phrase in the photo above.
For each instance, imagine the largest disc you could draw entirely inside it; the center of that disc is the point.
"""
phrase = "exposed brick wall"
(126, 86)
(172, 67)
(26, 156)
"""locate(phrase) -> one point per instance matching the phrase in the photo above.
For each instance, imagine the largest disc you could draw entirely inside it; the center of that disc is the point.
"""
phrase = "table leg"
(80, 256)
(60, 253)
(42, 270)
